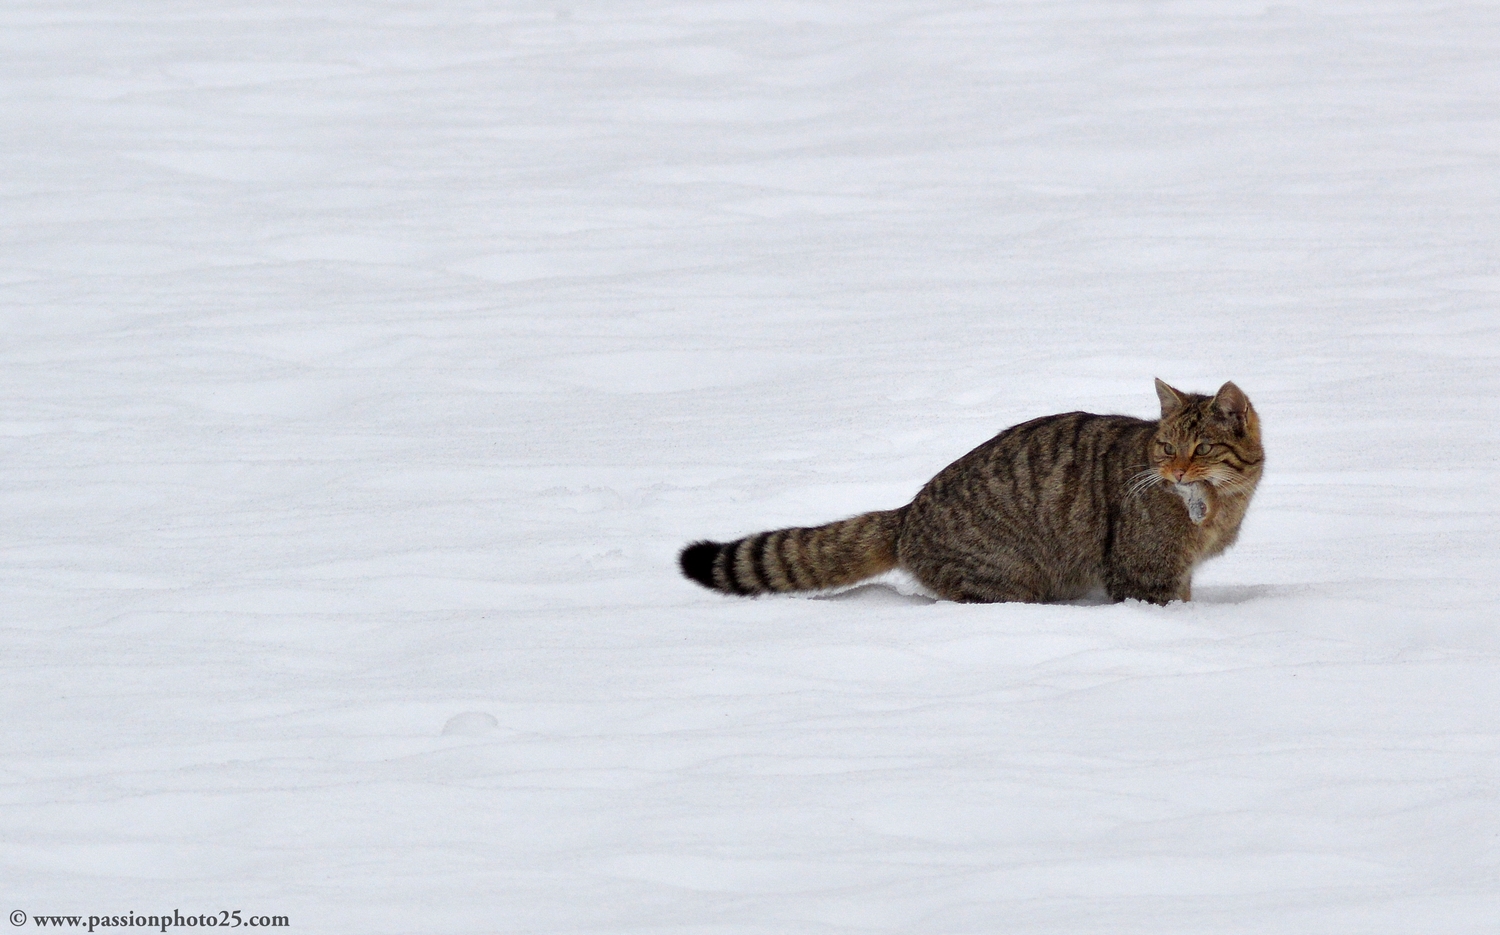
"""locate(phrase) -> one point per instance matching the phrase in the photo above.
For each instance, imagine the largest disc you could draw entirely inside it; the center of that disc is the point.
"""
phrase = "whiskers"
(1232, 484)
(1223, 482)
(1143, 482)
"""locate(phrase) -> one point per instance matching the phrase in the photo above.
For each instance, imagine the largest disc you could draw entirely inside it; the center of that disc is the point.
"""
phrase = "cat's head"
(1207, 438)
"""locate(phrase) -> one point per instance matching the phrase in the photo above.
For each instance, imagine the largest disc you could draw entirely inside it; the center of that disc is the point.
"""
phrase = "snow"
(366, 364)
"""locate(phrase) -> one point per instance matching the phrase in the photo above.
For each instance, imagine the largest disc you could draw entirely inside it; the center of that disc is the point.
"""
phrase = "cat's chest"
(1219, 529)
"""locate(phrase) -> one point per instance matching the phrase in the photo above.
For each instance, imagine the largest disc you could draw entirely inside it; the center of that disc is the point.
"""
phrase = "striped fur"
(1052, 509)
(800, 559)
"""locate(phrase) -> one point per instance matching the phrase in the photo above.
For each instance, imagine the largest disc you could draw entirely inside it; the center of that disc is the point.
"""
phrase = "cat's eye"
(1202, 449)
(1168, 449)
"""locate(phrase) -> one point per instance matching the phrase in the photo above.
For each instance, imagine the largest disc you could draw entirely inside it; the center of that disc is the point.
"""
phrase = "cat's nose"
(1177, 474)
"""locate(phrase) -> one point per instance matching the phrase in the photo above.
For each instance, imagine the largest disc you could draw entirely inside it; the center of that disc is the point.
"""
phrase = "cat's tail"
(800, 559)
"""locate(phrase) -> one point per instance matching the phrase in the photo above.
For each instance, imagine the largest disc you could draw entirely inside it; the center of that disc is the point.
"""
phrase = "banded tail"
(799, 559)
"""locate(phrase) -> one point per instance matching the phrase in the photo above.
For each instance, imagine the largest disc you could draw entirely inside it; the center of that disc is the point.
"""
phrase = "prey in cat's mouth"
(1195, 497)
(1194, 493)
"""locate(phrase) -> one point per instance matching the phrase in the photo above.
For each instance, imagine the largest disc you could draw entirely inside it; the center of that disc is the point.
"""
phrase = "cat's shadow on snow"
(1232, 593)
(876, 594)
(1211, 595)
(883, 593)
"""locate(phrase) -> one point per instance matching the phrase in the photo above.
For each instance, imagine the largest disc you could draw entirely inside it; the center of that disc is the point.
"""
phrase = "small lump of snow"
(470, 724)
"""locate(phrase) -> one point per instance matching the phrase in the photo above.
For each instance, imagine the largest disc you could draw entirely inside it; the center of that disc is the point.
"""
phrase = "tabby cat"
(1049, 510)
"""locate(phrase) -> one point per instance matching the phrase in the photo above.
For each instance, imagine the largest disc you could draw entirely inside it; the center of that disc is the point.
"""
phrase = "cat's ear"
(1231, 401)
(1171, 400)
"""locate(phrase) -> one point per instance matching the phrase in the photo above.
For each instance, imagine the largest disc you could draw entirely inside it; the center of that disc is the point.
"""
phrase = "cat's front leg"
(1148, 575)
(1146, 557)
(1155, 591)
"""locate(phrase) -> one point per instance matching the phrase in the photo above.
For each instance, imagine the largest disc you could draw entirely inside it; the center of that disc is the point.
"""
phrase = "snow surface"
(366, 363)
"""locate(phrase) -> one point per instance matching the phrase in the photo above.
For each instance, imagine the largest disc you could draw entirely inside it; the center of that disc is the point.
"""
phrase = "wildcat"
(1048, 510)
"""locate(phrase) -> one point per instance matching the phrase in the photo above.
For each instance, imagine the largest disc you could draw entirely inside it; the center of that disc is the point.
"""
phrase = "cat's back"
(1048, 461)
(1042, 491)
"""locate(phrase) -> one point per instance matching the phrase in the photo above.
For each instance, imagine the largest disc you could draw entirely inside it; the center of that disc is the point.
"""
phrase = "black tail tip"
(697, 561)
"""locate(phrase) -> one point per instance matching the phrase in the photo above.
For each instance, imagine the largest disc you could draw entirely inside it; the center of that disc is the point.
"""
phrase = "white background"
(365, 364)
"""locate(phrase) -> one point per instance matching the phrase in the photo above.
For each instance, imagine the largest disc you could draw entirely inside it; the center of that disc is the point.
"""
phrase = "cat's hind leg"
(989, 593)
(970, 584)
